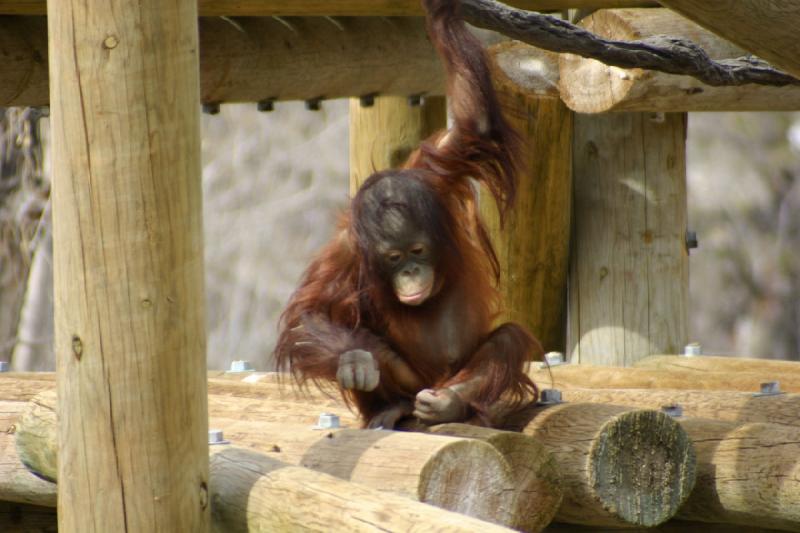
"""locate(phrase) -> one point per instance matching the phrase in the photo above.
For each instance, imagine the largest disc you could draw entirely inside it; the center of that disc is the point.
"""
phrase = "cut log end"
(463, 477)
(645, 464)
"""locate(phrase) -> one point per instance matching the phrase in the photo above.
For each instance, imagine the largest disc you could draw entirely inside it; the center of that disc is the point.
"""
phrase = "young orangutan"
(398, 308)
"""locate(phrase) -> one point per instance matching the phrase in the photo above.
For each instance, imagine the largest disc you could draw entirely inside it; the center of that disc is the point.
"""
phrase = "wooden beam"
(259, 59)
(533, 246)
(128, 266)
(588, 86)
(384, 133)
(771, 368)
(629, 267)
(337, 8)
(765, 28)
(598, 377)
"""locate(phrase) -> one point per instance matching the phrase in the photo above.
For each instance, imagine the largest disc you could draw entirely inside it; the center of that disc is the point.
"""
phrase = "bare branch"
(660, 52)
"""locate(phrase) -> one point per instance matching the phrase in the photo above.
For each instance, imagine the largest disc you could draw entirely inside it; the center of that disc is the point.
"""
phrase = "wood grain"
(629, 266)
(128, 266)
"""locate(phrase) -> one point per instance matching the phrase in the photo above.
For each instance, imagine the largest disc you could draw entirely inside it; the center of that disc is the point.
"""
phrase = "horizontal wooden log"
(537, 484)
(17, 483)
(253, 492)
(588, 86)
(257, 59)
(673, 526)
(769, 368)
(746, 474)
(338, 8)
(765, 28)
(458, 474)
(621, 467)
(602, 377)
(742, 407)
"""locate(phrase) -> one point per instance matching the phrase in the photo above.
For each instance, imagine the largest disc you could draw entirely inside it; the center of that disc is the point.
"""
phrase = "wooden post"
(383, 134)
(629, 265)
(533, 247)
(128, 262)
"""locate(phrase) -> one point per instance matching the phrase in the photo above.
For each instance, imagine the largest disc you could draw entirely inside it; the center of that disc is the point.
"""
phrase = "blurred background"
(274, 184)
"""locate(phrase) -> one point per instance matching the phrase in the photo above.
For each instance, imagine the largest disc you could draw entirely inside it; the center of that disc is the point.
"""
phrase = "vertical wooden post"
(533, 248)
(128, 258)
(629, 266)
(384, 134)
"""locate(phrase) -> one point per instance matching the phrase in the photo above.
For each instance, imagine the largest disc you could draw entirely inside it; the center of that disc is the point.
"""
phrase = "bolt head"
(673, 410)
(5, 366)
(328, 421)
(550, 396)
(216, 436)
(693, 348)
(241, 366)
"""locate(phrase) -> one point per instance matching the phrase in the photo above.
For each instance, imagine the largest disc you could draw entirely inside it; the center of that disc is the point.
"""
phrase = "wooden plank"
(533, 247)
(773, 370)
(588, 86)
(766, 28)
(384, 134)
(629, 265)
(339, 8)
(128, 266)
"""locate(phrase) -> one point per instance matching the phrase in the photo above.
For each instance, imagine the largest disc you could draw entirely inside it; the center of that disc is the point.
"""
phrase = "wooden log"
(588, 86)
(383, 134)
(673, 526)
(620, 467)
(332, 8)
(261, 59)
(128, 265)
(458, 474)
(17, 483)
(537, 483)
(744, 23)
(254, 492)
(597, 377)
(771, 369)
(741, 407)
(629, 264)
(746, 474)
(533, 247)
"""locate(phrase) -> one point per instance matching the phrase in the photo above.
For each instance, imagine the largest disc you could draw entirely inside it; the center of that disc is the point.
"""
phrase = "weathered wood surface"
(262, 58)
(588, 86)
(253, 492)
(17, 483)
(598, 377)
(772, 369)
(383, 135)
(629, 266)
(459, 474)
(673, 526)
(620, 467)
(536, 479)
(533, 247)
(128, 265)
(746, 474)
(338, 8)
(766, 28)
(741, 407)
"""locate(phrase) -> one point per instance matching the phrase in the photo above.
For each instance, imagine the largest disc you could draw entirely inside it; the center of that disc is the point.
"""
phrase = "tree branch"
(660, 52)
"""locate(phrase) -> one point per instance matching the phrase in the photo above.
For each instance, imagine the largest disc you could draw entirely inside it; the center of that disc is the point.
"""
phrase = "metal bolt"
(673, 410)
(554, 358)
(314, 104)
(4, 366)
(328, 421)
(368, 100)
(415, 100)
(692, 349)
(691, 240)
(658, 118)
(770, 388)
(550, 396)
(266, 105)
(215, 436)
(211, 108)
(241, 366)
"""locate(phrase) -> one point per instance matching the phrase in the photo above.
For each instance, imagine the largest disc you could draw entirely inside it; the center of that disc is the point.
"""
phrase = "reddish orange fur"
(342, 304)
